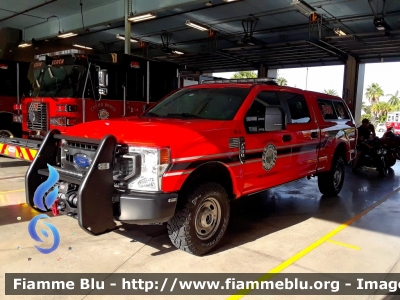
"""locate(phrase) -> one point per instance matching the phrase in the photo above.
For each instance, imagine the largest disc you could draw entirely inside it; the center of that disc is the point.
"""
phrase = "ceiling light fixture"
(381, 24)
(66, 35)
(303, 7)
(196, 26)
(121, 37)
(142, 17)
(24, 44)
(177, 52)
(83, 47)
(227, 1)
(339, 32)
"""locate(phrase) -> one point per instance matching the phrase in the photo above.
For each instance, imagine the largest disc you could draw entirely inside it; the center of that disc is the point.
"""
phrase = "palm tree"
(330, 92)
(281, 81)
(374, 92)
(244, 74)
(379, 111)
(394, 99)
(366, 108)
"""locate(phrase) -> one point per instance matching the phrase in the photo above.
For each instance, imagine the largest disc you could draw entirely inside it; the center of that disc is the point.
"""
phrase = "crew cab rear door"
(304, 132)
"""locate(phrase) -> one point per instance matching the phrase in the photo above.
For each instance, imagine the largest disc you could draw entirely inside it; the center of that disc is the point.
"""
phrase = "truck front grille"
(37, 116)
(89, 147)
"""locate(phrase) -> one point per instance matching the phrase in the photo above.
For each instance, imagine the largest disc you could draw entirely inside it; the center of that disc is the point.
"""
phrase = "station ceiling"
(282, 34)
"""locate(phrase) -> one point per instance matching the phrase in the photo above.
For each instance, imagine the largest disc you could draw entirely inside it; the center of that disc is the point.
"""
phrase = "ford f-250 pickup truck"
(185, 159)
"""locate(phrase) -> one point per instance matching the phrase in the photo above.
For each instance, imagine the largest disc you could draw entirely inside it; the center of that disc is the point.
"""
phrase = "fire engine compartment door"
(95, 209)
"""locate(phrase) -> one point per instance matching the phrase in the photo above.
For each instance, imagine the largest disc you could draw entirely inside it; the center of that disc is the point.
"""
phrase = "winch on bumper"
(92, 184)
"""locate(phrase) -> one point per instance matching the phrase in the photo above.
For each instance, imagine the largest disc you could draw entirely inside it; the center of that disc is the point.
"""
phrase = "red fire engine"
(71, 87)
(12, 88)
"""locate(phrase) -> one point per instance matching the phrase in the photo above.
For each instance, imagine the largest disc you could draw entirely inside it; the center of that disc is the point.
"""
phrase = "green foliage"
(374, 92)
(330, 92)
(396, 107)
(394, 99)
(379, 111)
(244, 74)
(365, 116)
(366, 108)
(281, 81)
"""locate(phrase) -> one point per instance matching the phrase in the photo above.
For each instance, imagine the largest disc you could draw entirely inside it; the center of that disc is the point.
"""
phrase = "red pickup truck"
(186, 158)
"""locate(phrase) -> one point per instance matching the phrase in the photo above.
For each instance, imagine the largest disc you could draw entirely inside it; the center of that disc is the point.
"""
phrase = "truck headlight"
(154, 164)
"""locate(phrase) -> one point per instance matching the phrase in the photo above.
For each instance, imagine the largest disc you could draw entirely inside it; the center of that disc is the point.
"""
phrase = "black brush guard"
(96, 187)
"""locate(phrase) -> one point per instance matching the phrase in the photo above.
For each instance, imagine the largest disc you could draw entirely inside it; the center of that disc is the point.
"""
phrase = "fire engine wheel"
(201, 221)
(330, 183)
(5, 133)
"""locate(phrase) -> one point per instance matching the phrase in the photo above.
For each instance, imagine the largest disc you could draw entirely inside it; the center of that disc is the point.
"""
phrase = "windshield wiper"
(150, 113)
(185, 115)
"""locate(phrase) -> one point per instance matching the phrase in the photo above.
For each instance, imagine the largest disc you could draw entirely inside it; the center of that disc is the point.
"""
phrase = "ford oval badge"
(82, 160)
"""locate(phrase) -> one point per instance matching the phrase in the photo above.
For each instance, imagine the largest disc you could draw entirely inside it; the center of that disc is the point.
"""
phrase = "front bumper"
(91, 197)
(144, 208)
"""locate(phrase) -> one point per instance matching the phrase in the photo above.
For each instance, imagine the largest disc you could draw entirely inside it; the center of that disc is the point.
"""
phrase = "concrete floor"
(265, 230)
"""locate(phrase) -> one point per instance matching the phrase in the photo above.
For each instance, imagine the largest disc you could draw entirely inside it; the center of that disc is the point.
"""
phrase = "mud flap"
(95, 194)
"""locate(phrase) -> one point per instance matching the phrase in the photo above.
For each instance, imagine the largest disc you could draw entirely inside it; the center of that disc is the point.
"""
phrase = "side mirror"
(275, 118)
(146, 107)
(103, 82)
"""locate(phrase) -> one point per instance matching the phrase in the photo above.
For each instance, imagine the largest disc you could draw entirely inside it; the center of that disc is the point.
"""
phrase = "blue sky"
(331, 77)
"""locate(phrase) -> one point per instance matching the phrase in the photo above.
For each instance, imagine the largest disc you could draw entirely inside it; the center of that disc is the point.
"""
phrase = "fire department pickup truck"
(186, 158)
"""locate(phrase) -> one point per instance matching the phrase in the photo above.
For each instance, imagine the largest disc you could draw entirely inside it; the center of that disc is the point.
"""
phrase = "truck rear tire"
(201, 220)
(330, 183)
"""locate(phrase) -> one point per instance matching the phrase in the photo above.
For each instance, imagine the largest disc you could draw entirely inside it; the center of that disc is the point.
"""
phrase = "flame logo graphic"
(44, 202)
(35, 236)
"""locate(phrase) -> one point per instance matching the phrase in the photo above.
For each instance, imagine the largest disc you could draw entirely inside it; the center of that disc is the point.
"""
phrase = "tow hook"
(55, 208)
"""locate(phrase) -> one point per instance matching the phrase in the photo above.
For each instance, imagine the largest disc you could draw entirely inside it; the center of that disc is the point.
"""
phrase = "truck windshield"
(201, 103)
(58, 81)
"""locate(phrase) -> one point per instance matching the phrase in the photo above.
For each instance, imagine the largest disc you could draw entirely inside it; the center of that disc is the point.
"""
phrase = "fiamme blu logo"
(44, 197)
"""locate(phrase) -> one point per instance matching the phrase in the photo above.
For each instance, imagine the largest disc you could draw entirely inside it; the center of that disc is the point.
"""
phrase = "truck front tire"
(330, 183)
(201, 219)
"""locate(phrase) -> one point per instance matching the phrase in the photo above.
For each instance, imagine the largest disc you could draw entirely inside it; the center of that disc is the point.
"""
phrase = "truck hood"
(149, 131)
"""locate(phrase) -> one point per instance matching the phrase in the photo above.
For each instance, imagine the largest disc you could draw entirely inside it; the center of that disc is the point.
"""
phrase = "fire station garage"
(131, 164)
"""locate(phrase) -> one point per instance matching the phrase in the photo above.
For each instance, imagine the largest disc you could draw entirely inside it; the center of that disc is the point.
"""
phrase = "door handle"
(286, 137)
(314, 134)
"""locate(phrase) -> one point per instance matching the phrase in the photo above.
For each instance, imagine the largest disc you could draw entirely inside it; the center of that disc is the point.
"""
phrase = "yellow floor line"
(311, 247)
(344, 244)
(14, 191)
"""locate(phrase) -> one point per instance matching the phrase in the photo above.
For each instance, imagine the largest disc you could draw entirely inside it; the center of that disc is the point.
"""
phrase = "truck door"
(304, 132)
(268, 154)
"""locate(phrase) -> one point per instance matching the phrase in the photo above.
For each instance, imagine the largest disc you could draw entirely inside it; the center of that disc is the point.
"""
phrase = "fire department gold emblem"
(269, 157)
(103, 114)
